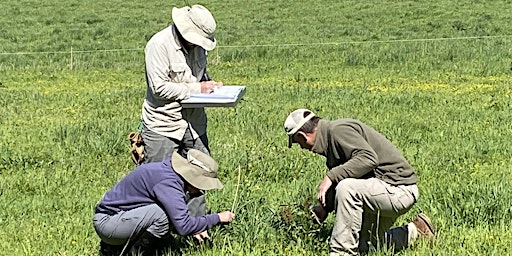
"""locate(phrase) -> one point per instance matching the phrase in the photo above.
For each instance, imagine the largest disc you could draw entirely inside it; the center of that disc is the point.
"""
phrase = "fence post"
(71, 59)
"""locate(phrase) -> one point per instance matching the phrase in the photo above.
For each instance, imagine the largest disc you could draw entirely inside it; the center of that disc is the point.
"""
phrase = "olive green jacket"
(355, 150)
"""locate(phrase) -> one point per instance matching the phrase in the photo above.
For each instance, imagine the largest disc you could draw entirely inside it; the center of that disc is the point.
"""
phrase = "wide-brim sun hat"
(198, 169)
(196, 24)
(295, 121)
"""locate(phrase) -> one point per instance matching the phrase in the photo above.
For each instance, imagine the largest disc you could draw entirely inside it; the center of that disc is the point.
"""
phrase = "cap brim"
(192, 174)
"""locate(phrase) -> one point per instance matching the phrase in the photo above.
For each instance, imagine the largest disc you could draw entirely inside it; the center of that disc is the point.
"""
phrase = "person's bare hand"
(201, 237)
(322, 189)
(226, 216)
(209, 86)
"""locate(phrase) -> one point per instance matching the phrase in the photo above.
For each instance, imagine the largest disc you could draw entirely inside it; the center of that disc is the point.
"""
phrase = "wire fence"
(372, 51)
(74, 51)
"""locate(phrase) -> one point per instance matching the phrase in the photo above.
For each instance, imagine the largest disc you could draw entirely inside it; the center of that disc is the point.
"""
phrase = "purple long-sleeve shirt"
(156, 183)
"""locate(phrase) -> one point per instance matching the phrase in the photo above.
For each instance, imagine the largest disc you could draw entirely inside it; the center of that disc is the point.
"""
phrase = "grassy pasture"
(72, 84)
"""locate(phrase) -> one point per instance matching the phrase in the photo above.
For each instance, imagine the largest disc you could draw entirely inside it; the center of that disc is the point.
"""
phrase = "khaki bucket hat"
(198, 169)
(196, 24)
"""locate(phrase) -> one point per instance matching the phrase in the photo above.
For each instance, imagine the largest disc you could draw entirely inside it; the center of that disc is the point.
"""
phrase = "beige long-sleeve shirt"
(172, 73)
(355, 150)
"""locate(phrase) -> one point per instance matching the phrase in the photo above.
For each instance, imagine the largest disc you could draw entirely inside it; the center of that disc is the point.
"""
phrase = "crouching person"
(368, 185)
(139, 213)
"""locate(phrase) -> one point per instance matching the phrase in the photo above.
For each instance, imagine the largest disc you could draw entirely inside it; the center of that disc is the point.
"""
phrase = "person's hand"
(209, 86)
(201, 237)
(226, 216)
(322, 189)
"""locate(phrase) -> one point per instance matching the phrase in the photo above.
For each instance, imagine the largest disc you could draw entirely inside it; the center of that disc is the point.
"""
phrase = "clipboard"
(225, 96)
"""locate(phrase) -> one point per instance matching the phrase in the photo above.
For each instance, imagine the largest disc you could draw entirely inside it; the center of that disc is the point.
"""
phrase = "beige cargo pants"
(365, 211)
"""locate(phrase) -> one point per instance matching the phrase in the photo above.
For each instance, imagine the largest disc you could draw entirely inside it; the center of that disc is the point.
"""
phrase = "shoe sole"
(427, 221)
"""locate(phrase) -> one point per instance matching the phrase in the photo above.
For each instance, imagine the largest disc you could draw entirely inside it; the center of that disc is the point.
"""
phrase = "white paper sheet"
(225, 96)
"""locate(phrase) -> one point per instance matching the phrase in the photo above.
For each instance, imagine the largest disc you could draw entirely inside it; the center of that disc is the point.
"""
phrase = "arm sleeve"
(172, 198)
(361, 156)
(158, 68)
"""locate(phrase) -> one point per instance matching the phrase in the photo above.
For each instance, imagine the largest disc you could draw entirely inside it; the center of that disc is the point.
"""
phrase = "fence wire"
(72, 51)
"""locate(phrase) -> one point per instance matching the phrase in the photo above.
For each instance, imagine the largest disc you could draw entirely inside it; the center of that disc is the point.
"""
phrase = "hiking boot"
(318, 214)
(424, 226)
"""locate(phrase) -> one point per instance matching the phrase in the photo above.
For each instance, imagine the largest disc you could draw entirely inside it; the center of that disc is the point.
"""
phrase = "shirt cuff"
(331, 176)
(195, 87)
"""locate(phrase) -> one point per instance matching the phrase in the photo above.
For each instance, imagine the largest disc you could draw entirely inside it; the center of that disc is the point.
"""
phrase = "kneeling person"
(139, 212)
(369, 184)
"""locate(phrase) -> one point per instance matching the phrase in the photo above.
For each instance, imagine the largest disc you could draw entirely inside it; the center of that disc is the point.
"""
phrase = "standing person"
(369, 183)
(175, 68)
(138, 214)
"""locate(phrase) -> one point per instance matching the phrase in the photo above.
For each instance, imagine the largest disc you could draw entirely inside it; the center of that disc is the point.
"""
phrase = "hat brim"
(192, 174)
(180, 19)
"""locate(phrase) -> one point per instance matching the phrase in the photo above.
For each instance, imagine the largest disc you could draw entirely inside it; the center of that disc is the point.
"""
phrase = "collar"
(322, 132)
(176, 42)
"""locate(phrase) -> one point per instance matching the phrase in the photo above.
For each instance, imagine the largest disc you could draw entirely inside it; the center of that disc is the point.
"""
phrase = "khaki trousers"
(365, 211)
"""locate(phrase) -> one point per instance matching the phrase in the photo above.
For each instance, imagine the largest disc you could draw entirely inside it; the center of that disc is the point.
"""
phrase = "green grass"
(70, 101)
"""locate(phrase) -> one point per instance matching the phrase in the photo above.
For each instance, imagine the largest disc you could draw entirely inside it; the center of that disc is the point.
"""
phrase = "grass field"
(435, 78)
